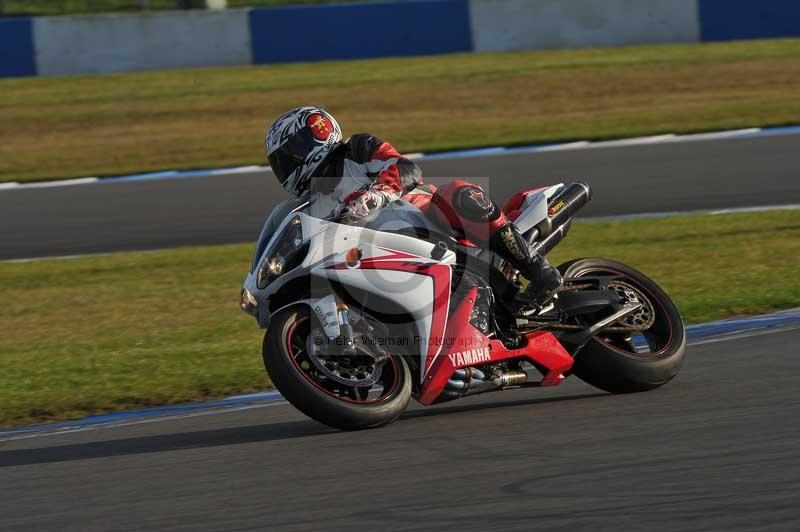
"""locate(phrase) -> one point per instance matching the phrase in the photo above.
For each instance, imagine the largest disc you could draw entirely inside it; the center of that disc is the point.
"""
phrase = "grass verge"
(127, 330)
(101, 125)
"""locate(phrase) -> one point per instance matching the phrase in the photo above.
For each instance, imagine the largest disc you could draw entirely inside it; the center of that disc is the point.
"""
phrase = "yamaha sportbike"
(362, 317)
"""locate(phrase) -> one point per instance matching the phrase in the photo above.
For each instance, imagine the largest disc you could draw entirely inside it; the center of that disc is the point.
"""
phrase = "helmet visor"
(292, 154)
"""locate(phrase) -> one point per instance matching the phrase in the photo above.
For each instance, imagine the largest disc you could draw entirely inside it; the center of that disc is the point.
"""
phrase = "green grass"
(126, 330)
(81, 7)
(101, 125)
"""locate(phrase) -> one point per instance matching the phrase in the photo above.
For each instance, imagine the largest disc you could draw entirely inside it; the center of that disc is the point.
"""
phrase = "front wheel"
(346, 392)
(647, 349)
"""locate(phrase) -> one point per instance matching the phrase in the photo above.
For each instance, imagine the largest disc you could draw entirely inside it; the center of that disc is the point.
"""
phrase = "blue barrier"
(30, 47)
(349, 31)
(16, 47)
(725, 20)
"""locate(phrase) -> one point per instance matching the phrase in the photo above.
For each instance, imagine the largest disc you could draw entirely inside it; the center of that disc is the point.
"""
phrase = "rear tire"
(300, 389)
(606, 363)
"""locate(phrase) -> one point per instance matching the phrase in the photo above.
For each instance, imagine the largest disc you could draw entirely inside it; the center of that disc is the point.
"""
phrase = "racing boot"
(544, 279)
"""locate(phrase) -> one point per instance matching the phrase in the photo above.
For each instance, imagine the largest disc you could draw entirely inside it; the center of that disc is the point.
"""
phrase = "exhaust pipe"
(563, 207)
(471, 381)
(546, 245)
(560, 210)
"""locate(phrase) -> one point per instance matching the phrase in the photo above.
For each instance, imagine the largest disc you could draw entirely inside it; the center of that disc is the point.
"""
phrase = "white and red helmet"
(298, 142)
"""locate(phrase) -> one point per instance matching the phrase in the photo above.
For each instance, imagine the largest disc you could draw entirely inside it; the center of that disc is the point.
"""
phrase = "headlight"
(286, 253)
(247, 302)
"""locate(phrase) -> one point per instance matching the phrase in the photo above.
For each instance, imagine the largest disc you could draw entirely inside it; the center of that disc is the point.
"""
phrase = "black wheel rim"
(295, 341)
(656, 339)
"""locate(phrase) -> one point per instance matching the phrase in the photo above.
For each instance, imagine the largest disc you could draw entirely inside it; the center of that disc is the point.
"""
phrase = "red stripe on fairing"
(394, 254)
(440, 274)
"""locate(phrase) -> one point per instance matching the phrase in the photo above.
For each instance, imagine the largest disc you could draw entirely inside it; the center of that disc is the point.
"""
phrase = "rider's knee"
(466, 207)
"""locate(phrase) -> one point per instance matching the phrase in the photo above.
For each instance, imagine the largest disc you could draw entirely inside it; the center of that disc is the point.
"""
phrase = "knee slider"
(472, 203)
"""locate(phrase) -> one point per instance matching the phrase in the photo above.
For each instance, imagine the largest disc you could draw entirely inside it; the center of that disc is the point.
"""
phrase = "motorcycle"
(361, 317)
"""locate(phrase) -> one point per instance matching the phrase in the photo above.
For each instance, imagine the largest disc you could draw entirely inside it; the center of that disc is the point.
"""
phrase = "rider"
(362, 174)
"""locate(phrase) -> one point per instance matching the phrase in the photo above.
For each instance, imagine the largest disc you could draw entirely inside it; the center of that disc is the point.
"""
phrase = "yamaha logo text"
(473, 356)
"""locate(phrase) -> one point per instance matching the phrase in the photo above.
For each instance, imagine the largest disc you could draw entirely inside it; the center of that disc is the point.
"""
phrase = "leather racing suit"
(365, 164)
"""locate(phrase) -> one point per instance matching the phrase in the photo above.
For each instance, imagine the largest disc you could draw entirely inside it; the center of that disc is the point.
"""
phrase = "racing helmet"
(297, 143)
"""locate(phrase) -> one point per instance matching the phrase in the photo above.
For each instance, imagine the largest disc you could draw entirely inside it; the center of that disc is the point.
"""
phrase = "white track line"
(581, 144)
(789, 207)
(61, 257)
(636, 141)
(745, 334)
(64, 183)
(704, 212)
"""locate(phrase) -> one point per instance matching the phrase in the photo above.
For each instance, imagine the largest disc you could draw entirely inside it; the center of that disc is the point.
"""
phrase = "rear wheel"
(347, 392)
(642, 352)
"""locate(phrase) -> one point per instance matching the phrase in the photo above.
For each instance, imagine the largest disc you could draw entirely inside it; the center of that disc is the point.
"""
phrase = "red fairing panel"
(466, 346)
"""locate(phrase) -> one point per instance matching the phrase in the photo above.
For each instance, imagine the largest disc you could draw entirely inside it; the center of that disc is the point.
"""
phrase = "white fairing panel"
(413, 291)
(393, 266)
(534, 208)
(329, 238)
(396, 267)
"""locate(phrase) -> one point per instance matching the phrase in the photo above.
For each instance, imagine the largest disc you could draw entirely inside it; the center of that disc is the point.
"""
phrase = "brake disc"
(359, 370)
(638, 321)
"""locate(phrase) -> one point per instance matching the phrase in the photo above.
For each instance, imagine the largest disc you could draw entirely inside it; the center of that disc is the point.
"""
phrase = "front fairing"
(329, 242)
(275, 220)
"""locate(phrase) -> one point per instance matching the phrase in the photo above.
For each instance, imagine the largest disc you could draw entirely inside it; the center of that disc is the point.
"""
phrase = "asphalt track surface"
(715, 449)
(675, 176)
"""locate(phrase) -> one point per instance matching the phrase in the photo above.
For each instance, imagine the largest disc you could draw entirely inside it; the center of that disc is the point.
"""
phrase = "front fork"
(345, 328)
(347, 333)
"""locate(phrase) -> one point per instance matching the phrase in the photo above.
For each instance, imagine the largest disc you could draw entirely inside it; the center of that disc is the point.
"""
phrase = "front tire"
(613, 362)
(320, 398)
